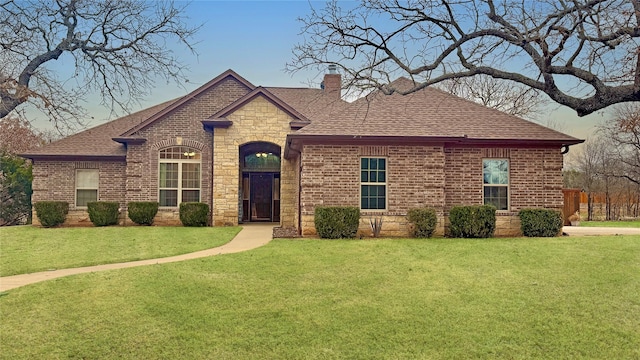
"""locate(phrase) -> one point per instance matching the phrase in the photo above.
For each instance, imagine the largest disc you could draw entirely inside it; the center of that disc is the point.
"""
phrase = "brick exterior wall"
(181, 127)
(437, 176)
(56, 181)
(137, 178)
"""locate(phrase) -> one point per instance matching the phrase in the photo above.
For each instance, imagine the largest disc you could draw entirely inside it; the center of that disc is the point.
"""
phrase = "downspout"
(299, 188)
(300, 195)
(211, 182)
(564, 149)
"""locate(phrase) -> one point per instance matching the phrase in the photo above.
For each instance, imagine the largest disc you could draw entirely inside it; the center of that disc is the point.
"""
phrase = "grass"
(622, 223)
(27, 249)
(558, 298)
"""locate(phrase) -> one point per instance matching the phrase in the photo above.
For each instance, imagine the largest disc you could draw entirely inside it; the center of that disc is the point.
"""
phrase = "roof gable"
(187, 98)
(259, 92)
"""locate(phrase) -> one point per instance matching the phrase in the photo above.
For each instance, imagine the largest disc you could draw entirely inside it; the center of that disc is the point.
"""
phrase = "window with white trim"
(495, 173)
(373, 183)
(86, 186)
(179, 178)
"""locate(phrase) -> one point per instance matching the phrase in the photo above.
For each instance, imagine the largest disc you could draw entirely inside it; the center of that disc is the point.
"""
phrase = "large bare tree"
(581, 53)
(624, 134)
(113, 47)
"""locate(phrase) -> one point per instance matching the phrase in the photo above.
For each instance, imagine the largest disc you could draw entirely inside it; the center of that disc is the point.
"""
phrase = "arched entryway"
(259, 182)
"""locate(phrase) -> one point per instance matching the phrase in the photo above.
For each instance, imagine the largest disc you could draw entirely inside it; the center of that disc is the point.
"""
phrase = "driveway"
(584, 230)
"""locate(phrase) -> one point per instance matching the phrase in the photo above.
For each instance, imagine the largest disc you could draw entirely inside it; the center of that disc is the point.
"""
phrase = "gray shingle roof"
(428, 113)
(314, 104)
(97, 141)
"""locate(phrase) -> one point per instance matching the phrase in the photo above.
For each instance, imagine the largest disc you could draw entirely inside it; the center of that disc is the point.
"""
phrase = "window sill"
(366, 212)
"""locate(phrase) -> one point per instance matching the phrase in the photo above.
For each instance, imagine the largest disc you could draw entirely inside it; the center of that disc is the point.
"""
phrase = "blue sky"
(255, 38)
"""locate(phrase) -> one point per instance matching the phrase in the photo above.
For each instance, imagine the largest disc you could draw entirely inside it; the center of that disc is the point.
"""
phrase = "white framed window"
(86, 186)
(179, 176)
(373, 183)
(495, 174)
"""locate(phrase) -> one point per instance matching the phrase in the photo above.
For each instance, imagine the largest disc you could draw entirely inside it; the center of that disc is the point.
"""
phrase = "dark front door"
(261, 197)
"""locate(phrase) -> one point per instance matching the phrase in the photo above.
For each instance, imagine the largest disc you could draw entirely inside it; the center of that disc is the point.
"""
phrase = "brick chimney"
(332, 83)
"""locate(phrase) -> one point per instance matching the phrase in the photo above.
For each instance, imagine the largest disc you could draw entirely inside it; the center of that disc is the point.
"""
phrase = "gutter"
(73, 157)
(294, 141)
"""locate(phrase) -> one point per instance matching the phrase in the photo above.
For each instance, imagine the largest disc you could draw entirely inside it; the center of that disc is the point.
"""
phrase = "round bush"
(336, 222)
(424, 221)
(472, 221)
(51, 213)
(194, 214)
(142, 212)
(103, 213)
(540, 222)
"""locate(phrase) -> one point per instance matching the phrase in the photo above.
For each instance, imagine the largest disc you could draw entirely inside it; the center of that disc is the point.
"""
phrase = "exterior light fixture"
(189, 154)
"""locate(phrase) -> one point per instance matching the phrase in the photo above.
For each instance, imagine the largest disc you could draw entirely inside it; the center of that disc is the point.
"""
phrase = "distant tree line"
(609, 164)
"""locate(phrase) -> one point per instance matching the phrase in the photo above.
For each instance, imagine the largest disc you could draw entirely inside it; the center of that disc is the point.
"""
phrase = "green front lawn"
(27, 249)
(625, 223)
(558, 298)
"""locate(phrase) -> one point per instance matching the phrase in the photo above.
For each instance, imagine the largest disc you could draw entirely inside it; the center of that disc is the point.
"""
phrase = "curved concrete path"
(250, 237)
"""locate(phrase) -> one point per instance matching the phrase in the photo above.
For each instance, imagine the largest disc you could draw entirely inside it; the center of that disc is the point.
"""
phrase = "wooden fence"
(619, 205)
(572, 199)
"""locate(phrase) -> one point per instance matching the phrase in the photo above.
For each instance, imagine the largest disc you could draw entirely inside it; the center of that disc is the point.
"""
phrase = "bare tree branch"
(117, 47)
(581, 53)
(514, 99)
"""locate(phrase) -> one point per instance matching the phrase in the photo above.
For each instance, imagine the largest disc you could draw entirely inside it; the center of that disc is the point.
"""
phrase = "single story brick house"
(273, 154)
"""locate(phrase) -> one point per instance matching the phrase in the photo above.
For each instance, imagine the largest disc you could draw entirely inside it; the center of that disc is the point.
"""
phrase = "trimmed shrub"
(142, 212)
(194, 214)
(103, 213)
(472, 221)
(51, 213)
(540, 222)
(424, 221)
(336, 222)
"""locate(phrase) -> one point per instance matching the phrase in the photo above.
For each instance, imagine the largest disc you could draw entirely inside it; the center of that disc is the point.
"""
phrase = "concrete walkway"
(584, 230)
(250, 237)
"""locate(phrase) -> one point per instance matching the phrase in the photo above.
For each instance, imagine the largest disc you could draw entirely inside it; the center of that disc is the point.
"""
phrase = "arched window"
(179, 179)
(261, 161)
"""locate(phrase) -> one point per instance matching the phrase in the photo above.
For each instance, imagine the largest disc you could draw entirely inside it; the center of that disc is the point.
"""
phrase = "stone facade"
(257, 121)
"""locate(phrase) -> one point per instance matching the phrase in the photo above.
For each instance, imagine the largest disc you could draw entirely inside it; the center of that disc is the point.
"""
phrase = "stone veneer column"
(257, 121)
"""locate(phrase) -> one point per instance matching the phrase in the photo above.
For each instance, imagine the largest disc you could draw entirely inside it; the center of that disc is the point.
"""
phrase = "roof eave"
(297, 125)
(73, 157)
(210, 124)
(294, 141)
(129, 140)
(522, 142)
